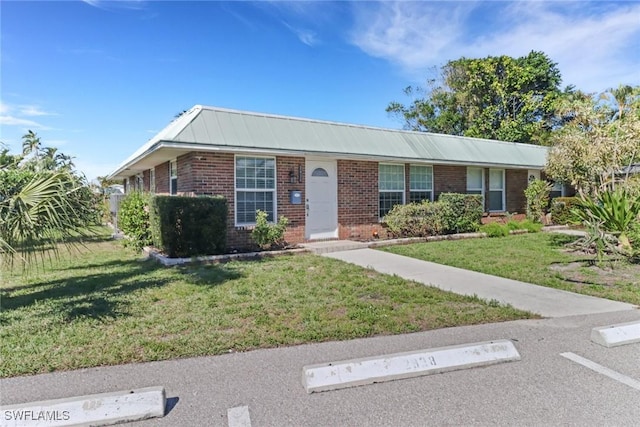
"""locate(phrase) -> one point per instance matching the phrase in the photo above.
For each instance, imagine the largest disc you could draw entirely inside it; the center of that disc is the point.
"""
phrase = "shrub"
(189, 226)
(562, 210)
(530, 226)
(415, 219)
(495, 229)
(612, 212)
(461, 213)
(133, 219)
(537, 194)
(513, 225)
(269, 235)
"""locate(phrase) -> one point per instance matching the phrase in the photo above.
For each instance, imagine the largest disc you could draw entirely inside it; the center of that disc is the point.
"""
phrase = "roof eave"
(130, 165)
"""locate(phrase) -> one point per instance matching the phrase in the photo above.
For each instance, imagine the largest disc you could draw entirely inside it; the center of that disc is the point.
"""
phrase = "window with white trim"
(475, 181)
(152, 180)
(420, 183)
(173, 174)
(496, 190)
(255, 188)
(390, 187)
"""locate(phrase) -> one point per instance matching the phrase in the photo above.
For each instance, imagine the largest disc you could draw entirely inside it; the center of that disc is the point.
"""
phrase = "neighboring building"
(331, 180)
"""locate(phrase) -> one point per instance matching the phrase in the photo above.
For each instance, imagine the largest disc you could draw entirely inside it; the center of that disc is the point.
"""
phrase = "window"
(173, 181)
(319, 172)
(557, 190)
(152, 180)
(496, 190)
(420, 183)
(390, 186)
(255, 188)
(475, 181)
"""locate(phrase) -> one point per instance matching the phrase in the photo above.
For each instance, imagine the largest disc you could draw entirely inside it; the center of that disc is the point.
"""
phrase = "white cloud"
(306, 36)
(593, 52)
(113, 4)
(595, 48)
(34, 110)
(413, 35)
(16, 121)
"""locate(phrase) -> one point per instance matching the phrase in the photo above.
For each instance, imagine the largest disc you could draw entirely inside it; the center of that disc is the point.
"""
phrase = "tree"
(41, 203)
(504, 98)
(600, 138)
(591, 152)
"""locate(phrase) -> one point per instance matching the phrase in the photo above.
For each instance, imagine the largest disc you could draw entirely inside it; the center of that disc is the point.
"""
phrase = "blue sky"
(97, 79)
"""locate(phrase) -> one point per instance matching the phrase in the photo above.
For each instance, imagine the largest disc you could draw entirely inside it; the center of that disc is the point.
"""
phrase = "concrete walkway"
(547, 302)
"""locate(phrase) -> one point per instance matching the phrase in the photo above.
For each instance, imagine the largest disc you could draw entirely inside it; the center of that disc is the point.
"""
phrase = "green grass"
(106, 306)
(539, 258)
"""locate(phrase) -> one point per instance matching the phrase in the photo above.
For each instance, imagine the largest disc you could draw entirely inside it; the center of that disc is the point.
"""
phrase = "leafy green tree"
(42, 203)
(600, 138)
(503, 98)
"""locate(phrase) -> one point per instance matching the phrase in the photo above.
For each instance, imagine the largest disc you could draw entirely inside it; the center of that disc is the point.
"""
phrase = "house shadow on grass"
(102, 295)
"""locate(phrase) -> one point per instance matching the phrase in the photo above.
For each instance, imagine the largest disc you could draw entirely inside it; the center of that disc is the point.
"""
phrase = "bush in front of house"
(133, 219)
(452, 213)
(415, 219)
(268, 235)
(562, 210)
(189, 226)
(461, 213)
(537, 194)
(530, 226)
(495, 229)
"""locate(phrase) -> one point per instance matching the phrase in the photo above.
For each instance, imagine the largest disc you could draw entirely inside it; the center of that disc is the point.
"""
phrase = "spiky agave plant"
(610, 213)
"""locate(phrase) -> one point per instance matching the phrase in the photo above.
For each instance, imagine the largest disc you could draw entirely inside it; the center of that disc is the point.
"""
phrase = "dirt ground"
(607, 273)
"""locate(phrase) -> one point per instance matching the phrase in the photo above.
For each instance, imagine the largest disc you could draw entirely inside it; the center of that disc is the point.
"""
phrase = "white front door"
(321, 202)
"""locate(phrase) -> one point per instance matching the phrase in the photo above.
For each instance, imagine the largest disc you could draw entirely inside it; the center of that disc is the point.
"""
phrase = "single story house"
(331, 180)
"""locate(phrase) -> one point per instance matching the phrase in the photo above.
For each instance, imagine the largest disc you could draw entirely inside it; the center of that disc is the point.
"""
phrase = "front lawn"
(106, 306)
(539, 258)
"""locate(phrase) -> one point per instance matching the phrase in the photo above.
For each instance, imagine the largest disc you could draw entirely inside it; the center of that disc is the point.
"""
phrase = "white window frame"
(503, 190)
(474, 190)
(274, 190)
(413, 188)
(152, 180)
(173, 191)
(404, 185)
(480, 189)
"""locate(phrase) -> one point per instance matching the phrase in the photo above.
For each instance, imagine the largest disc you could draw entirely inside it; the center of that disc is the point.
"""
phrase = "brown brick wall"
(516, 183)
(357, 199)
(162, 178)
(146, 180)
(294, 213)
(203, 173)
(449, 179)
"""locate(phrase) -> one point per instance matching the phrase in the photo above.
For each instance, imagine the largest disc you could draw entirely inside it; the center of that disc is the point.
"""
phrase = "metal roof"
(208, 128)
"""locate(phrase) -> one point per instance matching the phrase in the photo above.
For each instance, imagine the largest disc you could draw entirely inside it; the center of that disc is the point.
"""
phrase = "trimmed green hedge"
(133, 219)
(462, 212)
(189, 226)
(561, 208)
(452, 213)
(415, 220)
